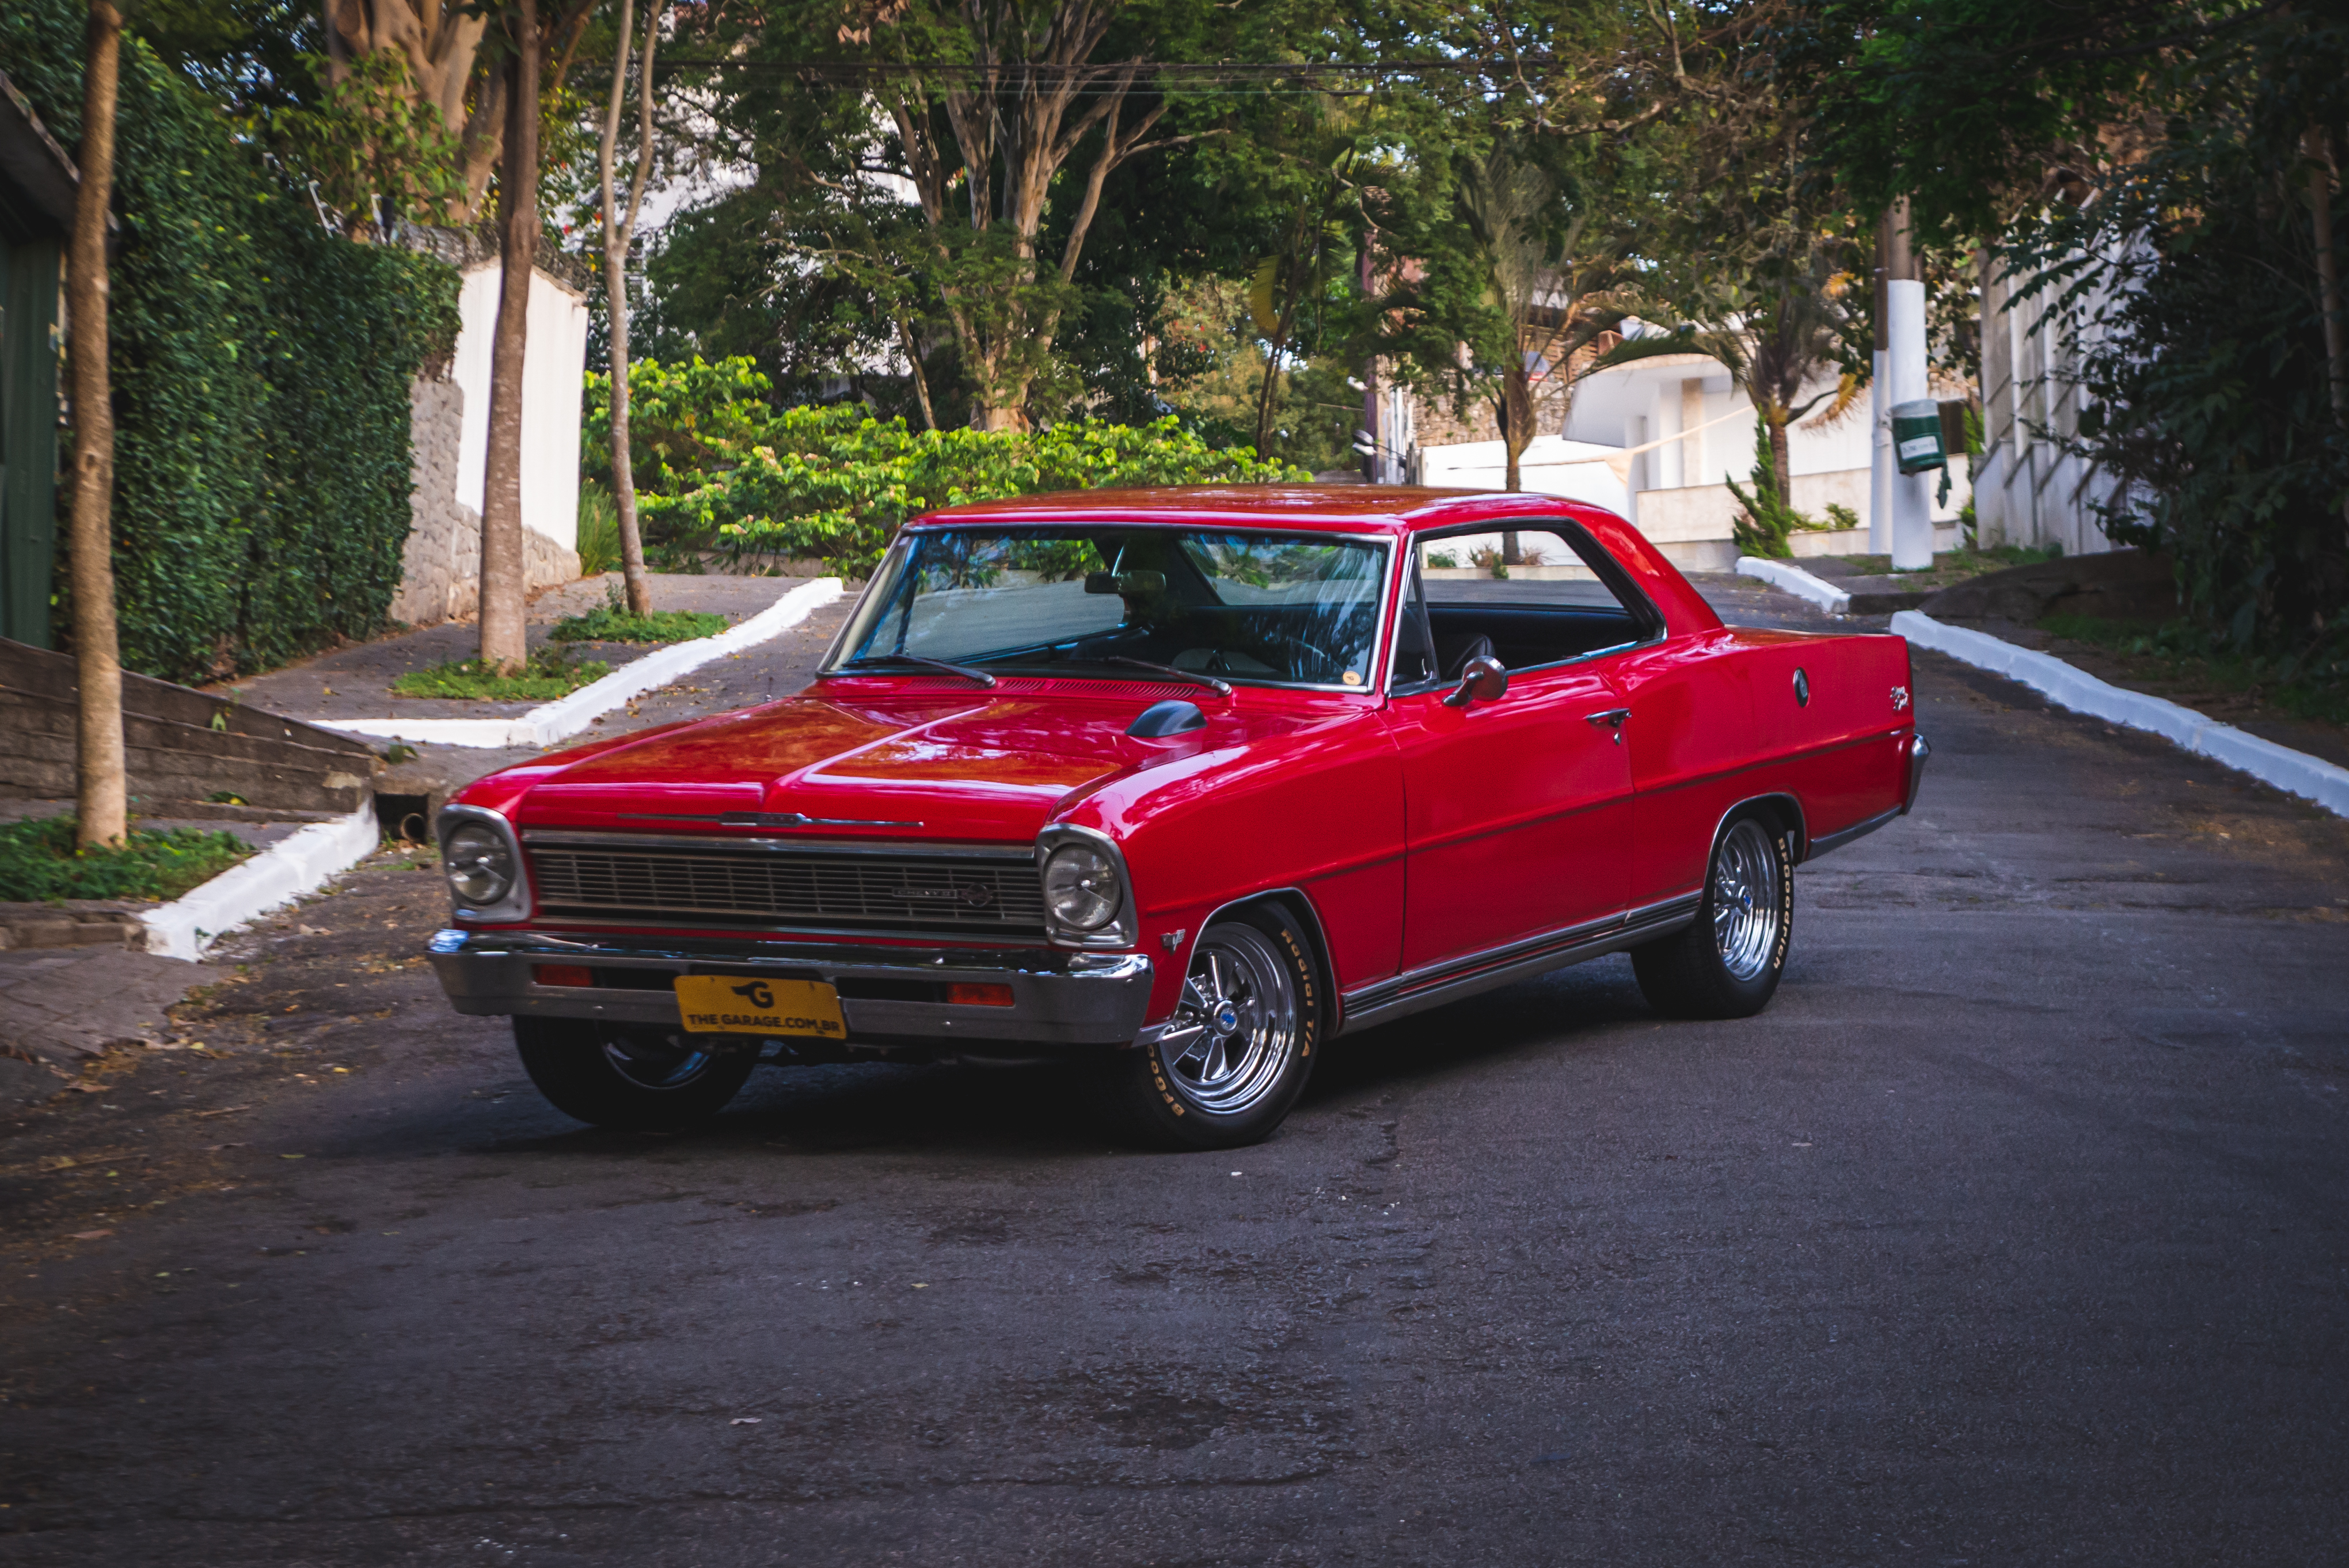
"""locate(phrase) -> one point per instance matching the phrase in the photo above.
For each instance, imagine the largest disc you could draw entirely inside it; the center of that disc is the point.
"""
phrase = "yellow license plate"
(731, 1004)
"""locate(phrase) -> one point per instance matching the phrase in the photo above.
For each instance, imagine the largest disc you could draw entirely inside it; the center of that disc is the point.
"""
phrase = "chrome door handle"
(1611, 719)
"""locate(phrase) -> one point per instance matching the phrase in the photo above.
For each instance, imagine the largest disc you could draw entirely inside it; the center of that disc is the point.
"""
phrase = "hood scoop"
(1161, 719)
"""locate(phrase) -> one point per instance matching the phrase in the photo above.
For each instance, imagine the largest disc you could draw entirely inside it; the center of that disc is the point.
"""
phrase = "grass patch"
(549, 673)
(2182, 651)
(611, 623)
(1952, 566)
(39, 861)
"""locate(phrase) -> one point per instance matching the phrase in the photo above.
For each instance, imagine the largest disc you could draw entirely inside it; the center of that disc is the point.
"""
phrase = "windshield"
(1283, 609)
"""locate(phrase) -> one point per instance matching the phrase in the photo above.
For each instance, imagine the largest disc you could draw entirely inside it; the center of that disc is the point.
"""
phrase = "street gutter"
(2294, 772)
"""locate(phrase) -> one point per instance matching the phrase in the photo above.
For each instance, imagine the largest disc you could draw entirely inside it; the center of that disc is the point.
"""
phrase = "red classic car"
(1174, 787)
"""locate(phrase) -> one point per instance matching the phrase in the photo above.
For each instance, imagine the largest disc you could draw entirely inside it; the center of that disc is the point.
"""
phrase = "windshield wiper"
(1223, 686)
(968, 673)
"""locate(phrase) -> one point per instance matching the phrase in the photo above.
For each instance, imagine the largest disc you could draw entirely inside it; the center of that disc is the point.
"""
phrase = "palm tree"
(1774, 335)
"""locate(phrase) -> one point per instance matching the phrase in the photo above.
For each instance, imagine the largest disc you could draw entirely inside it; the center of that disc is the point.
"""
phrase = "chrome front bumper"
(1059, 998)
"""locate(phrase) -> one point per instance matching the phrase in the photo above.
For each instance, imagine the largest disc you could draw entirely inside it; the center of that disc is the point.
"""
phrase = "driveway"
(2013, 1233)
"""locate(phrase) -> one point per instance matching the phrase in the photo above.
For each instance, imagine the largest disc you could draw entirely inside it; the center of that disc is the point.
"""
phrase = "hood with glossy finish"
(887, 758)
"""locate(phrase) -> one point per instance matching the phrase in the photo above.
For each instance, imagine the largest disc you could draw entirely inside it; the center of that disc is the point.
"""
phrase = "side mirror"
(1481, 679)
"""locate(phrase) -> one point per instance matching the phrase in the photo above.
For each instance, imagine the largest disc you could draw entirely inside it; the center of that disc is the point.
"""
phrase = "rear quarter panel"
(1840, 755)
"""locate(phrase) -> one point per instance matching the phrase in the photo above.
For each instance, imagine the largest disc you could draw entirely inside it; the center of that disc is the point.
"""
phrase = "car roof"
(1322, 508)
(1356, 509)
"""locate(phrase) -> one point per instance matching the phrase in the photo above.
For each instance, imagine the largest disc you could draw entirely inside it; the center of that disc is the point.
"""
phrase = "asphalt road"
(2013, 1233)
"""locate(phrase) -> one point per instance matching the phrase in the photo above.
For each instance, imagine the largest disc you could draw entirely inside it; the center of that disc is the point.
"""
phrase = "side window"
(1527, 597)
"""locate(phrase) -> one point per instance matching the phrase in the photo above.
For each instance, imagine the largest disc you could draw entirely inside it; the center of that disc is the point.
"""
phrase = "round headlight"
(481, 868)
(1080, 887)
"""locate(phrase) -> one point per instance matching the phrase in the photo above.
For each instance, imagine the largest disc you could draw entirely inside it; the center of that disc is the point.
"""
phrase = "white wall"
(554, 369)
(1550, 466)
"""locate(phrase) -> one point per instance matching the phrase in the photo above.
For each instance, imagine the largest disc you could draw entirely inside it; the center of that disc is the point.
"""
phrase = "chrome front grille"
(763, 883)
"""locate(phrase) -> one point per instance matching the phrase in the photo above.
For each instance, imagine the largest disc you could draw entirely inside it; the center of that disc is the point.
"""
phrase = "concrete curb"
(278, 875)
(1795, 580)
(2294, 772)
(554, 721)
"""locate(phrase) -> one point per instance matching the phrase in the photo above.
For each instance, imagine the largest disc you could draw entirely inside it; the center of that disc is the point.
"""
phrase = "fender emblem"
(1899, 699)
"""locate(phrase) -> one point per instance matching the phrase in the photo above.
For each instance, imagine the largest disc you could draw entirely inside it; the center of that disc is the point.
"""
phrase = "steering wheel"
(1316, 655)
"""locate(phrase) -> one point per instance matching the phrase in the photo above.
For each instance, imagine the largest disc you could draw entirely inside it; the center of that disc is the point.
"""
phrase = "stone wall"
(440, 570)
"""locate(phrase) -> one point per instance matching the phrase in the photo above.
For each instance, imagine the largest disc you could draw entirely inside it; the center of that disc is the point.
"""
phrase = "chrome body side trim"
(1826, 842)
(1058, 998)
(1437, 983)
(1918, 755)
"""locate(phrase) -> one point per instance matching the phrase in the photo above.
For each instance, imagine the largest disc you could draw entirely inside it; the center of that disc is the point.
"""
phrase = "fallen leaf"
(91, 1235)
(68, 1162)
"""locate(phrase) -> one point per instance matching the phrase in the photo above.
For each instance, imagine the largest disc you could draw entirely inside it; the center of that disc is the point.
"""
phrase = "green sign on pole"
(1916, 436)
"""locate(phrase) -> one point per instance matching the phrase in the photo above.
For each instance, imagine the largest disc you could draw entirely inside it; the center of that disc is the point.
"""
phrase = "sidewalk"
(355, 682)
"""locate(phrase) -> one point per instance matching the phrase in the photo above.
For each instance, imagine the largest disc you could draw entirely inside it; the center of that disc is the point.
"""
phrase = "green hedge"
(261, 379)
(715, 468)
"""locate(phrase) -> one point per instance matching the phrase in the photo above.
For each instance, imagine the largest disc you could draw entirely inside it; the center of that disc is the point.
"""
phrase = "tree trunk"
(101, 785)
(617, 231)
(2328, 269)
(1781, 473)
(921, 379)
(503, 578)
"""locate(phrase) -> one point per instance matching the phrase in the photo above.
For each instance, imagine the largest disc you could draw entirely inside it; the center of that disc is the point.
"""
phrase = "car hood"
(931, 764)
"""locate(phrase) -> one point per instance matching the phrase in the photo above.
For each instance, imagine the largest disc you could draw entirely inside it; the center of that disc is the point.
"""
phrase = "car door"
(1518, 810)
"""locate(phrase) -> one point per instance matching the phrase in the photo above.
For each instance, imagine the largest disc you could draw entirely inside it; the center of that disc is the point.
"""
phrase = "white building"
(1656, 441)
(450, 433)
(2028, 490)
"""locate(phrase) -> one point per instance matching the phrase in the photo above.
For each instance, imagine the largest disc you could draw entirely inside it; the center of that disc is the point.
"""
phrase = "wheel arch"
(1296, 904)
(1785, 814)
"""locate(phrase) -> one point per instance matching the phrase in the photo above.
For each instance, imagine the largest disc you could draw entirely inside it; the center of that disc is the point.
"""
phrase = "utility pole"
(1879, 406)
(1900, 326)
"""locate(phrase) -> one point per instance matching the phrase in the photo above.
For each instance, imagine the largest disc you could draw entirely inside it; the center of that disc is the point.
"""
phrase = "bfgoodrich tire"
(1726, 964)
(638, 1079)
(1237, 1054)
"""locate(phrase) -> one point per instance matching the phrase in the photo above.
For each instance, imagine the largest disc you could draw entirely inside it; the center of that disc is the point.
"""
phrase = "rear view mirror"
(1481, 679)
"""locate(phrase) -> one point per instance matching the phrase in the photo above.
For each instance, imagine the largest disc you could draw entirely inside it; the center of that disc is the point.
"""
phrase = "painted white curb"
(2294, 772)
(1795, 580)
(552, 721)
(278, 875)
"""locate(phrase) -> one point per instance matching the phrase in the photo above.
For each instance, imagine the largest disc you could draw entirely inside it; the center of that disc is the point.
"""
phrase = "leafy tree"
(2162, 176)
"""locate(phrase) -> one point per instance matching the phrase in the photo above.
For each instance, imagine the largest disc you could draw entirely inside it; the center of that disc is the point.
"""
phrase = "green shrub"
(599, 530)
(1841, 516)
(1768, 519)
(39, 861)
(717, 470)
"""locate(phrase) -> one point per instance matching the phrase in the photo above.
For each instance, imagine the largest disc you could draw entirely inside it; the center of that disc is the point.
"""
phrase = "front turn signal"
(972, 994)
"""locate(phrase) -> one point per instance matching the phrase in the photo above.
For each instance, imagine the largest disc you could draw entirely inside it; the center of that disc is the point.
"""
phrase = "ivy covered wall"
(261, 379)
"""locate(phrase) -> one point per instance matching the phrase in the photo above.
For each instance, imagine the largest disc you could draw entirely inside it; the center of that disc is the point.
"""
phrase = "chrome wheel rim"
(655, 1061)
(1746, 906)
(1235, 1023)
